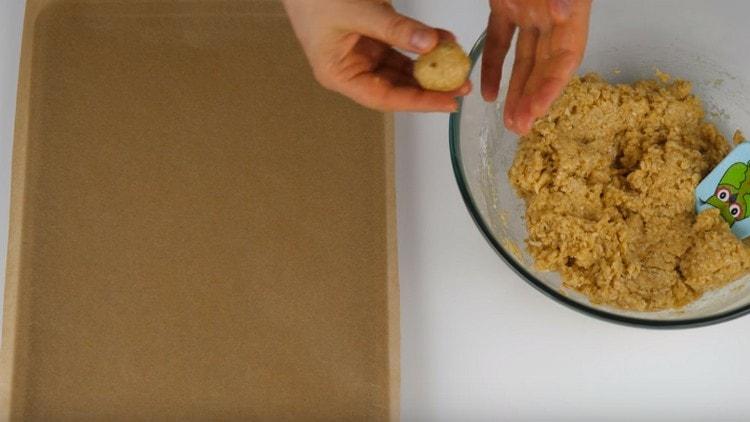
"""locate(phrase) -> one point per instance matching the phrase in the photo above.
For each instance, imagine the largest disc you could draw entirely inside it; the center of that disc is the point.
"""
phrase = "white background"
(477, 342)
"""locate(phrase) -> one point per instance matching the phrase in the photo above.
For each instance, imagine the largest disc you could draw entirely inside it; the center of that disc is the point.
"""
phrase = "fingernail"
(422, 39)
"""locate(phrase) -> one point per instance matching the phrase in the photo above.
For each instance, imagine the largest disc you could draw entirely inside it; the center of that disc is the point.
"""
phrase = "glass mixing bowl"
(687, 39)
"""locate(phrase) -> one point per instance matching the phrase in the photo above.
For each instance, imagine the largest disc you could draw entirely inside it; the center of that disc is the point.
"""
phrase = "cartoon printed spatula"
(727, 187)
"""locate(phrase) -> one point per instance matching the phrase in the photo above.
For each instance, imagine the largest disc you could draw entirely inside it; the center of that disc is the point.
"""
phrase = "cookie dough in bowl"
(621, 243)
(608, 177)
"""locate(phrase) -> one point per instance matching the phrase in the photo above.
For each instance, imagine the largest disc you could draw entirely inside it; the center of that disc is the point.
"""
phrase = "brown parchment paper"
(198, 231)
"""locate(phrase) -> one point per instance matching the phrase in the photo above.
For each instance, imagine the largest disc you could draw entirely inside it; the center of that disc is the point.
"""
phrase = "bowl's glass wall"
(683, 38)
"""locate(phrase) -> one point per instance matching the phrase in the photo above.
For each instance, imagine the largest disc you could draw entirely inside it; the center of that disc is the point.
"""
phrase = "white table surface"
(477, 342)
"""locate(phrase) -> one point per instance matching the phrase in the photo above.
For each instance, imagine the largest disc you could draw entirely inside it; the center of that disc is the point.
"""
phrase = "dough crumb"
(662, 76)
(608, 177)
(513, 248)
(738, 137)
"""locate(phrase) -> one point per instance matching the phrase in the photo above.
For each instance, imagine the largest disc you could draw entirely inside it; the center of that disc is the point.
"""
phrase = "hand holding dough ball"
(445, 68)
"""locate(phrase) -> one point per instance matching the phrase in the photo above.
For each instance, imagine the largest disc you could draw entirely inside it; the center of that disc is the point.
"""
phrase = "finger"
(522, 66)
(549, 85)
(528, 13)
(542, 55)
(558, 55)
(378, 91)
(542, 63)
(445, 35)
(398, 78)
(380, 21)
(560, 10)
(499, 35)
(463, 90)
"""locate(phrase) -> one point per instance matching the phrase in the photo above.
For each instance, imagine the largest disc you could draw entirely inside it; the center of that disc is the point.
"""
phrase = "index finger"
(499, 34)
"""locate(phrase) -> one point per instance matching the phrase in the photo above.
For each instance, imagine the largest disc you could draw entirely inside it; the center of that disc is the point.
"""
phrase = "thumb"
(379, 20)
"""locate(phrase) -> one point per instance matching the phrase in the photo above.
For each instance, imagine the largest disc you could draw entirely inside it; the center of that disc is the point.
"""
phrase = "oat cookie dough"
(445, 68)
(608, 179)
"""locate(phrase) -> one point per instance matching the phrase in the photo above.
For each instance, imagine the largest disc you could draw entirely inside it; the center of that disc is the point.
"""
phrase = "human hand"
(551, 41)
(351, 46)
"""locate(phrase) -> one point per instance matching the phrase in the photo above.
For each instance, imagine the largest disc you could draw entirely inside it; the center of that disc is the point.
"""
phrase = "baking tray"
(198, 230)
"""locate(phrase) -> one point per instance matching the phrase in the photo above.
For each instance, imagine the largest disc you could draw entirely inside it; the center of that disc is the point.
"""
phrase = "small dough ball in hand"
(445, 68)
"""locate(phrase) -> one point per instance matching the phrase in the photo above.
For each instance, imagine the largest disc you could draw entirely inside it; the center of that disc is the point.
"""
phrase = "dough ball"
(445, 68)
